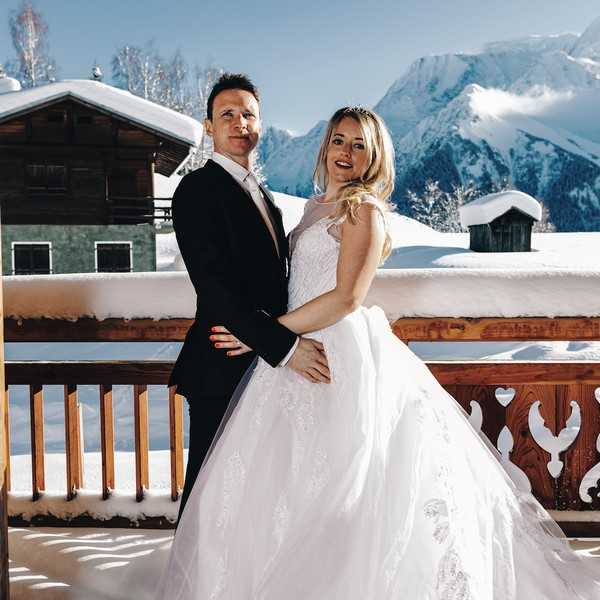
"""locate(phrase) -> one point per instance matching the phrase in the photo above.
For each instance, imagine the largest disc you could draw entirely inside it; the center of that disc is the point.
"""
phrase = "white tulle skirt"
(372, 487)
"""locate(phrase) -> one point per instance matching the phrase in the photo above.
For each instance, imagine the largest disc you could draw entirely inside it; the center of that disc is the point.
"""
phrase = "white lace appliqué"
(452, 581)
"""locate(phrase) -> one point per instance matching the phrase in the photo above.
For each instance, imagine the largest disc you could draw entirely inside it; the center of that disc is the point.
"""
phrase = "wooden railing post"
(36, 408)
(107, 440)
(176, 441)
(5, 447)
(4, 461)
(73, 447)
(140, 404)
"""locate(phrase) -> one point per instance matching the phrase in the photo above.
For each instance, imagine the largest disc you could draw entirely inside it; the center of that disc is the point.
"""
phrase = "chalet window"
(113, 257)
(46, 177)
(31, 258)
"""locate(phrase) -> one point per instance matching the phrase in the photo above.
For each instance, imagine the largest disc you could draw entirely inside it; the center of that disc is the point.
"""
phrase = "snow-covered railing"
(543, 416)
(105, 374)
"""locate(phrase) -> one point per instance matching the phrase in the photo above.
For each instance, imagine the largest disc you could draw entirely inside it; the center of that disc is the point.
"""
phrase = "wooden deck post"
(140, 404)
(4, 463)
(176, 441)
(107, 440)
(73, 442)
(36, 415)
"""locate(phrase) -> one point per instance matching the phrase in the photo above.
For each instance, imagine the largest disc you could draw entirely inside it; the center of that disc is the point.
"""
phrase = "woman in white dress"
(373, 486)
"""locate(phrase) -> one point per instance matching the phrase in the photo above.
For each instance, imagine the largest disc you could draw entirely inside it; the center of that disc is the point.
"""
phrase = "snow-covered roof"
(106, 97)
(8, 84)
(489, 207)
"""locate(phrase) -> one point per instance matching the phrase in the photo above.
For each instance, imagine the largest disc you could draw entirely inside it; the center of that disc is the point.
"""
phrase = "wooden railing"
(501, 397)
(105, 374)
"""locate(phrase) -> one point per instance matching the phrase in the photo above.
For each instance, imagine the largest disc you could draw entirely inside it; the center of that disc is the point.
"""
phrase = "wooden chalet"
(501, 222)
(77, 164)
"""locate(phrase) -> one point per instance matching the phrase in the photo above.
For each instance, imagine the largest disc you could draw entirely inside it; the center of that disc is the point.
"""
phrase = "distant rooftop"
(489, 207)
(145, 113)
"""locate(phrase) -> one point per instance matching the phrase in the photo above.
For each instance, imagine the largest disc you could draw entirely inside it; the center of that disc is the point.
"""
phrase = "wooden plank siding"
(108, 161)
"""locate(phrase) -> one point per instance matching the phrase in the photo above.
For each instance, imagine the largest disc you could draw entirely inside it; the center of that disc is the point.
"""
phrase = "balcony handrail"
(453, 374)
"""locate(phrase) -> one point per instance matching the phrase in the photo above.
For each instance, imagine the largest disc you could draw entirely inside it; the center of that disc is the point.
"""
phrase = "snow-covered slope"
(524, 111)
(489, 135)
(290, 168)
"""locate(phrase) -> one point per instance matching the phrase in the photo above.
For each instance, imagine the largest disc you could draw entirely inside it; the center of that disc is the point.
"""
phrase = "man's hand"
(309, 360)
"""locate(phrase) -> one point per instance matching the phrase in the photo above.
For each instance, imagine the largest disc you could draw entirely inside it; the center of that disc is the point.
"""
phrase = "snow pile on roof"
(119, 102)
(489, 207)
(8, 84)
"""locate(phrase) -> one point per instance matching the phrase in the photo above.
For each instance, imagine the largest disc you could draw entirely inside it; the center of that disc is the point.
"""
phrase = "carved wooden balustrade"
(544, 416)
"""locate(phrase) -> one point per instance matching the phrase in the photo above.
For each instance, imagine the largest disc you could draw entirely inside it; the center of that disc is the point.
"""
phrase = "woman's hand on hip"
(223, 339)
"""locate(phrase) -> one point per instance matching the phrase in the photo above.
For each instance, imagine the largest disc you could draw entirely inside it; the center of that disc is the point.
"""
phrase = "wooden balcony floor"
(54, 563)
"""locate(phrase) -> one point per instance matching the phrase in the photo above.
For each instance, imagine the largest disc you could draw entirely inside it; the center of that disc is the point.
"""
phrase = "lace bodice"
(314, 263)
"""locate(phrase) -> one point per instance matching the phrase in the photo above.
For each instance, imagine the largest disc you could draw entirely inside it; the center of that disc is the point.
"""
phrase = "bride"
(373, 485)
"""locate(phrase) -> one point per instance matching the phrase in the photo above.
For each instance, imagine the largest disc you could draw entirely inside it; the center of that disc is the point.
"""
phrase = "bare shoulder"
(370, 213)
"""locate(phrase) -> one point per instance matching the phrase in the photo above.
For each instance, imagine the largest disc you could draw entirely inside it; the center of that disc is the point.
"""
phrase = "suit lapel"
(248, 204)
(278, 222)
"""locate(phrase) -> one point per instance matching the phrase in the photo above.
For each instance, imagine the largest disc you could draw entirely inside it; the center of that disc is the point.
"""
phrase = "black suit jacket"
(239, 279)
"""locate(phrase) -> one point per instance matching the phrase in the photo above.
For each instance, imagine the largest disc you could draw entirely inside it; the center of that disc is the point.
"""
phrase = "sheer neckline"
(317, 201)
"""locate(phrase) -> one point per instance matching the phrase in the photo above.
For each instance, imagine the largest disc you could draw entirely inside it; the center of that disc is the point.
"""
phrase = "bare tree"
(140, 71)
(33, 65)
(544, 225)
(204, 79)
(439, 209)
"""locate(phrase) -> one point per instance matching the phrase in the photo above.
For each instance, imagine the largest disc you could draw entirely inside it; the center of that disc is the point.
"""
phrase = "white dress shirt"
(248, 181)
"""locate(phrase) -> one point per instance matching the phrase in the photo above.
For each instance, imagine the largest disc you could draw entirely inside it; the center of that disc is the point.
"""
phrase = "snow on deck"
(119, 102)
(122, 503)
(109, 564)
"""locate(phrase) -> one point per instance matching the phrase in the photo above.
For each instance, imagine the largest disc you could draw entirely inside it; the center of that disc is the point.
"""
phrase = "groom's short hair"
(230, 81)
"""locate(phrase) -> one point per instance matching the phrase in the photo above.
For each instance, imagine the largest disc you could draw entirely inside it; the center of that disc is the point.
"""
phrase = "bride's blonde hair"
(378, 178)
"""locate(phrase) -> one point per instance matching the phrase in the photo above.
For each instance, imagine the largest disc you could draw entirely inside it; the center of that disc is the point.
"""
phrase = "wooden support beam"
(496, 328)
(4, 461)
(88, 372)
(5, 424)
(176, 441)
(140, 403)
(92, 330)
(485, 372)
(36, 408)
(4, 482)
(107, 440)
(73, 440)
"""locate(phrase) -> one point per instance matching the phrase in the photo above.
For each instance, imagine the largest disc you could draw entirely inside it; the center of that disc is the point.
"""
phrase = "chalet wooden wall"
(106, 163)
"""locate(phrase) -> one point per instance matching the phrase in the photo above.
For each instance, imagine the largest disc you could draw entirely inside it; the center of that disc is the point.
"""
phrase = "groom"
(231, 238)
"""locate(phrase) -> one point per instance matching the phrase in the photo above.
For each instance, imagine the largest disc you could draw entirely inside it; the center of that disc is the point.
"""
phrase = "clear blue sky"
(307, 56)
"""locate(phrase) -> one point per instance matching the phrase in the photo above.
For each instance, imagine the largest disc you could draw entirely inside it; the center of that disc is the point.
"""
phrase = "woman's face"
(346, 153)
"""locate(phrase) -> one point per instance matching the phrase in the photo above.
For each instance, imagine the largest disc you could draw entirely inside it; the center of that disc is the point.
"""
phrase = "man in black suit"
(232, 241)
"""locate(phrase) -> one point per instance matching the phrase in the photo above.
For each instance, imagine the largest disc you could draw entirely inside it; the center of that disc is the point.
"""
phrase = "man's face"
(235, 126)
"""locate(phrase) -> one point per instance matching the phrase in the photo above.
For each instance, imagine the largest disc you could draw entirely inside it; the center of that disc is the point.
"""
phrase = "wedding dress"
(372, 487)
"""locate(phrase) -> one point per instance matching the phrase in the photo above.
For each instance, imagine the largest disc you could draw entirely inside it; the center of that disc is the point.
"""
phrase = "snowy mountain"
(271, 140)
(290, 168)
(523, 111)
